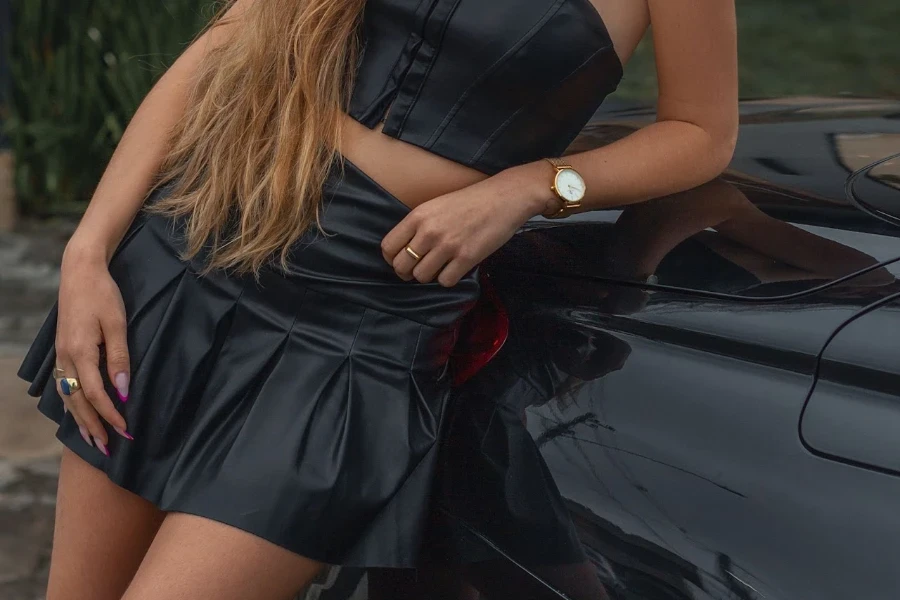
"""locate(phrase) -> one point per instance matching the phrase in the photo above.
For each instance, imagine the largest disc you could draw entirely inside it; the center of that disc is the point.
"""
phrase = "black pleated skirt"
(305, 408)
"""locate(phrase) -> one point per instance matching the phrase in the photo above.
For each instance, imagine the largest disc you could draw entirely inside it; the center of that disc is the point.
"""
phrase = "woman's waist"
(412, 174)
(343, 259)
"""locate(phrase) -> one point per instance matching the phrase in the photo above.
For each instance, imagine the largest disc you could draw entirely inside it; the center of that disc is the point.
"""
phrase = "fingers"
(432, 259)
(420, 243)
(90, 405)
(427, 269)
(91, 317)
(440, 256)
(403, 264)
(87, 365)
(411, 234)
(117, 361)
(85, 416)
(455, 270)
(398, 237)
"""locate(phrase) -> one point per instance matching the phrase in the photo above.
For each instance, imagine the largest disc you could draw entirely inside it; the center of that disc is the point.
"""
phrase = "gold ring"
(412, 253)
(69, 385)
(58, 372)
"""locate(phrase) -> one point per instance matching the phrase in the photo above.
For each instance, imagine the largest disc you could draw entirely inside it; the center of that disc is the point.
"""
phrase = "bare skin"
(691, 142)
(110, 544)
(97, 523)
(415, 175)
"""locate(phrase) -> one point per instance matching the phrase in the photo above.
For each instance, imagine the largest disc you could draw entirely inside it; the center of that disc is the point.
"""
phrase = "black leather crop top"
(486, 83)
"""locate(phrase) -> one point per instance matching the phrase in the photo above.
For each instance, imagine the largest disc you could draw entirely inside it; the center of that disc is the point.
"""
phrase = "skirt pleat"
(305, 407)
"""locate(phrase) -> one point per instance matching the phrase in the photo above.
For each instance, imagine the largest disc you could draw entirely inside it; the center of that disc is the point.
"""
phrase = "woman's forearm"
(693, 139)
(130, 172)
(136, 161)
(663, 158)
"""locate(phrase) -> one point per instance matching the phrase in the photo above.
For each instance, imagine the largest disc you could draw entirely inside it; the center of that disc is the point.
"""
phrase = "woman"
(251, 373)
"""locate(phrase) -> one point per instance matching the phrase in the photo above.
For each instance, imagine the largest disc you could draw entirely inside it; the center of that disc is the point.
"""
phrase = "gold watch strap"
(558, 163)
(559, 214)
(562, 212)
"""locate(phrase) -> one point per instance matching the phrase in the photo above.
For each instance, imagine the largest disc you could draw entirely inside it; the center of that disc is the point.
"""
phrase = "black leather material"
(486, 83)
(305, 408)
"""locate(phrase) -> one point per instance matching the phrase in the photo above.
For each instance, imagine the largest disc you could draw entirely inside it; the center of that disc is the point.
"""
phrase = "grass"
(802, 47)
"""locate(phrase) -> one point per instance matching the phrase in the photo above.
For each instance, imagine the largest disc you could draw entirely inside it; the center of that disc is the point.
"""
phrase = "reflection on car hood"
(777, 223)
(876, 188)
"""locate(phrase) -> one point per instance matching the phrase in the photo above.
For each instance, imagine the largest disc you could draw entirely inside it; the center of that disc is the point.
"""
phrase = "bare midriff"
(412, 174)
(415, 175)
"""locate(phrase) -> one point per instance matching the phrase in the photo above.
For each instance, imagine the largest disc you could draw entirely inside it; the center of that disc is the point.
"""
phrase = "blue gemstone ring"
(69, 385)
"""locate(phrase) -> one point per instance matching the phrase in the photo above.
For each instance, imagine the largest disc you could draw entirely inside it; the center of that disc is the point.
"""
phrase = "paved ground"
(29, 457)
(29, 452)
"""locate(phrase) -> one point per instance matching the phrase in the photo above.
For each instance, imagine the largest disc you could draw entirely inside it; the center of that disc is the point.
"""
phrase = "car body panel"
(671, 433)
(853, 413)
(659, 361)
(875, 187)
(791, 164)
(638, 434)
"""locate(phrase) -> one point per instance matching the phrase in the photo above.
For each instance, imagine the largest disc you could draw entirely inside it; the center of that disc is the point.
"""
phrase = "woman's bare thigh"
(193, 557)
(101, 534)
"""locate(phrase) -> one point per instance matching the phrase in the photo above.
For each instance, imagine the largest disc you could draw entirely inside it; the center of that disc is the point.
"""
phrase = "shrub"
(79, 69)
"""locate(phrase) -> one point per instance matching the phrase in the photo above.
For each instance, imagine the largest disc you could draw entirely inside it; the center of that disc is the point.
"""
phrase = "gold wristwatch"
(569, 187)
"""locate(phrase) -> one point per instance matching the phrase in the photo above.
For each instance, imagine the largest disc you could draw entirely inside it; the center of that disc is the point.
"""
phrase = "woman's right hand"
(91, 313)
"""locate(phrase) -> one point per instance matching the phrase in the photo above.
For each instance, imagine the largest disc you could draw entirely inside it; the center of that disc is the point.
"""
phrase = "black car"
(696, 397)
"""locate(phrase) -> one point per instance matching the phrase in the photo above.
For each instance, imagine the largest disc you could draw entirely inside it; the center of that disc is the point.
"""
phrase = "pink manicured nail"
(85, 435)
(121, 382)
(101, 447)
(124, 434)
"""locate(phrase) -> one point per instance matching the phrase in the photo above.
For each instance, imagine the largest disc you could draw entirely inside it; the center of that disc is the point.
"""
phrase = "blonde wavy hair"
(248, 161)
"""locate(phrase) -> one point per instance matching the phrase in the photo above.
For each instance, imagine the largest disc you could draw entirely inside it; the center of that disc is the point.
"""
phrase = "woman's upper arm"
(695, 43)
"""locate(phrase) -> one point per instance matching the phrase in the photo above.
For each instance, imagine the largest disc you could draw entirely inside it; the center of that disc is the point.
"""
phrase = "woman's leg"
(101, 534)
(193, 557)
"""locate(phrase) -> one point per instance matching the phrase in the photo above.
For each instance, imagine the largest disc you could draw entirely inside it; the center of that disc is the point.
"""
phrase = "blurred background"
(77, 70)
(72, 72)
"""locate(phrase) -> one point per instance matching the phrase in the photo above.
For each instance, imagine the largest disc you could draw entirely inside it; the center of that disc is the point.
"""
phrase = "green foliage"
(81, 67)
(79, 71)
(802, 47)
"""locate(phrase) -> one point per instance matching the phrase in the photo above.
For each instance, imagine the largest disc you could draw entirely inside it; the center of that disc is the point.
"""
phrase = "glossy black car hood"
(876, 188)
(778, 223)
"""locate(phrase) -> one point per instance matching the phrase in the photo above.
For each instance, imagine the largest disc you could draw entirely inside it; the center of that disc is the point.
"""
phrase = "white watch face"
(570, 185)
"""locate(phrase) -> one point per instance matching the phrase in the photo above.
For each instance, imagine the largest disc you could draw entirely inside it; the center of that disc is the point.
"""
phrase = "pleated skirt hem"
(305, 408)
(412, 556)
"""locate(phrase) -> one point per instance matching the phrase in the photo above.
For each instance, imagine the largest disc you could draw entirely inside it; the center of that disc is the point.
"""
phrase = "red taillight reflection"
(481, 334)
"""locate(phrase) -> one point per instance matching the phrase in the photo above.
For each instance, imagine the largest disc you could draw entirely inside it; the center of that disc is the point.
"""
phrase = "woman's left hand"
(453, 233)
